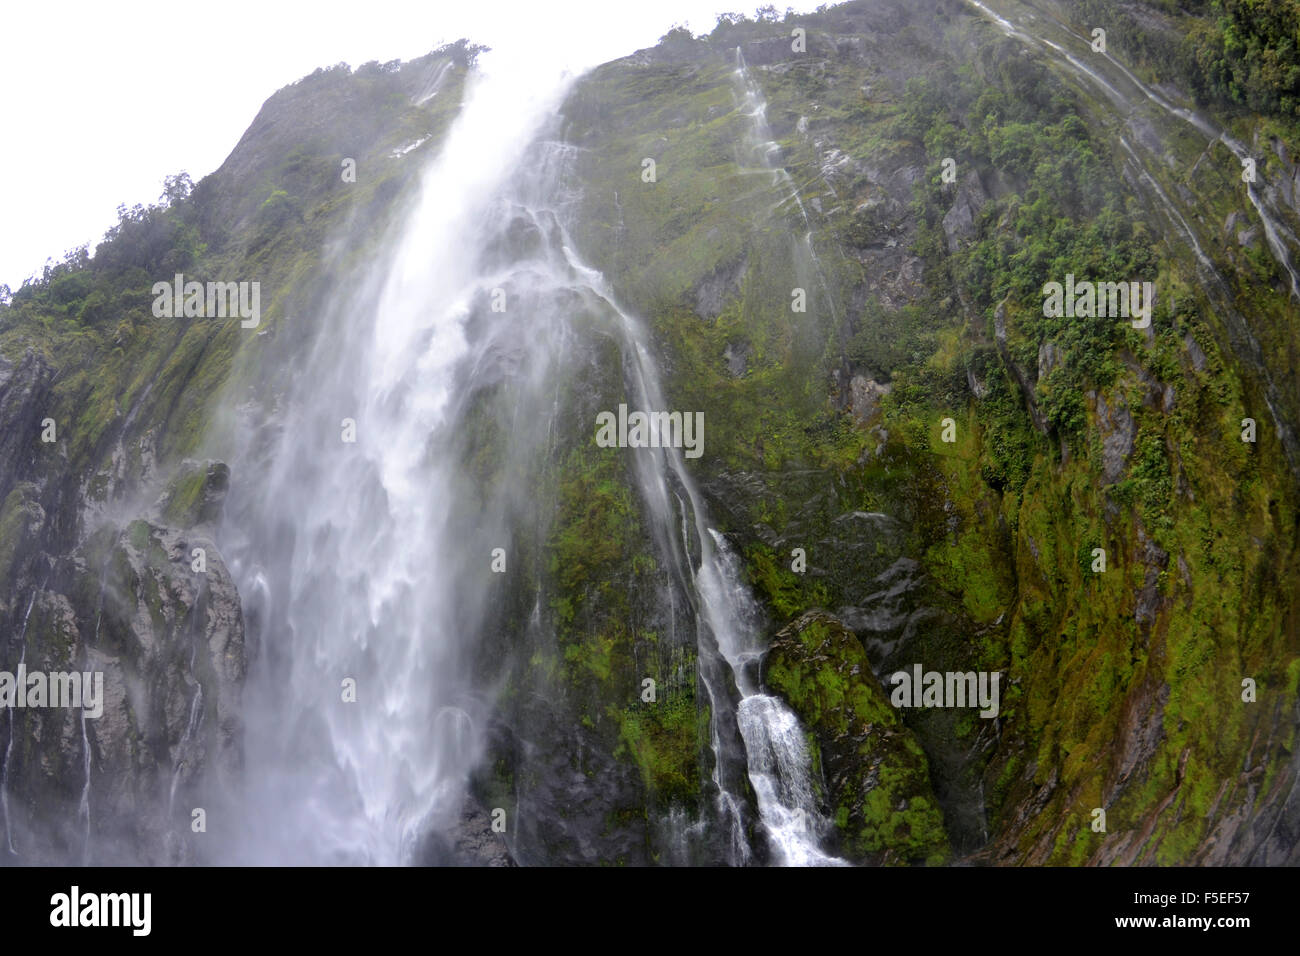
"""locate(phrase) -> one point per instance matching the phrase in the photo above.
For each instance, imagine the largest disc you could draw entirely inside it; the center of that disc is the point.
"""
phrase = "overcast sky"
(101, 100)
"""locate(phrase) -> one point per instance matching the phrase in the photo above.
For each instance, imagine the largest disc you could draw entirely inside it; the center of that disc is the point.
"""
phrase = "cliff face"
(839, 252)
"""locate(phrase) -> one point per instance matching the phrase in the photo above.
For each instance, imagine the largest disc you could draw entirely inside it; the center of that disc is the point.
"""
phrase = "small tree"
(177, 188)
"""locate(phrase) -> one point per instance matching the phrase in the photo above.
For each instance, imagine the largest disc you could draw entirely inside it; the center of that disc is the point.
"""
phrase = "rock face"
(864, 398)
(1021, 376)
(168, 641)
(1118, 432)
(959, 223)
(24, 388)
(719, 288)
(109, 556)
(877, 781)
(146, 604)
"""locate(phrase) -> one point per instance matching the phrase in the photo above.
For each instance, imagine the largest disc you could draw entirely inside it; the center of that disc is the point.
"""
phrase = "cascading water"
(767, 151)
(363, 562)
(361, 558)
(83, 806)
(1265, 206)
(774, 743)
(775, 757)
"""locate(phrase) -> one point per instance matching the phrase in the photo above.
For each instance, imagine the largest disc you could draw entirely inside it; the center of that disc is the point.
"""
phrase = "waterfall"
(364, 555)
(774, 758)
(83, 807)
(767, 151)
(363, 563)
(1275, 231)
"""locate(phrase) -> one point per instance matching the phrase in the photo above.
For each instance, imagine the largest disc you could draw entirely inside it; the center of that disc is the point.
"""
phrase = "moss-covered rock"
(196, 495)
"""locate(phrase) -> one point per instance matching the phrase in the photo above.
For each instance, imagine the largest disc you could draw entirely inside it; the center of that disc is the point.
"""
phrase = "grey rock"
(1118, 433)
(170, 645)
(736, 356)
(1048, 358)
(24, 396)
(1021, 377)
(959, 222)
(719, 287)
(864, 398)
(1194, 352)
(1154, 560)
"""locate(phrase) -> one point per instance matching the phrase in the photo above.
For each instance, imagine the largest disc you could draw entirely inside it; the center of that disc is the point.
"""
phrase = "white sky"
(100, 100)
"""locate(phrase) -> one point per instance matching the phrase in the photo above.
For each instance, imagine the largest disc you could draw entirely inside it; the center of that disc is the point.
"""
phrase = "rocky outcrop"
(718, 288)
(864, 398)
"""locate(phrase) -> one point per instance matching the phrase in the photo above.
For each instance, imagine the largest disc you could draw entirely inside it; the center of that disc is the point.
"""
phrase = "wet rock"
(475, 843)
(1021, 377)
(1154, 559)
(22, 520)
(880, 617)
(24, 396)
(576, 804)
(1141, 728)
(1289, 178)
(169, 642)
(1194, 352)
(196, 495)
(836, 167)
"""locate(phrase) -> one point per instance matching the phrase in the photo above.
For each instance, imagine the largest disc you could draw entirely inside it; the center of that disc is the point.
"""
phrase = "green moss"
(140, 535)
(184, 498)
(662, 740)
(19, 513)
